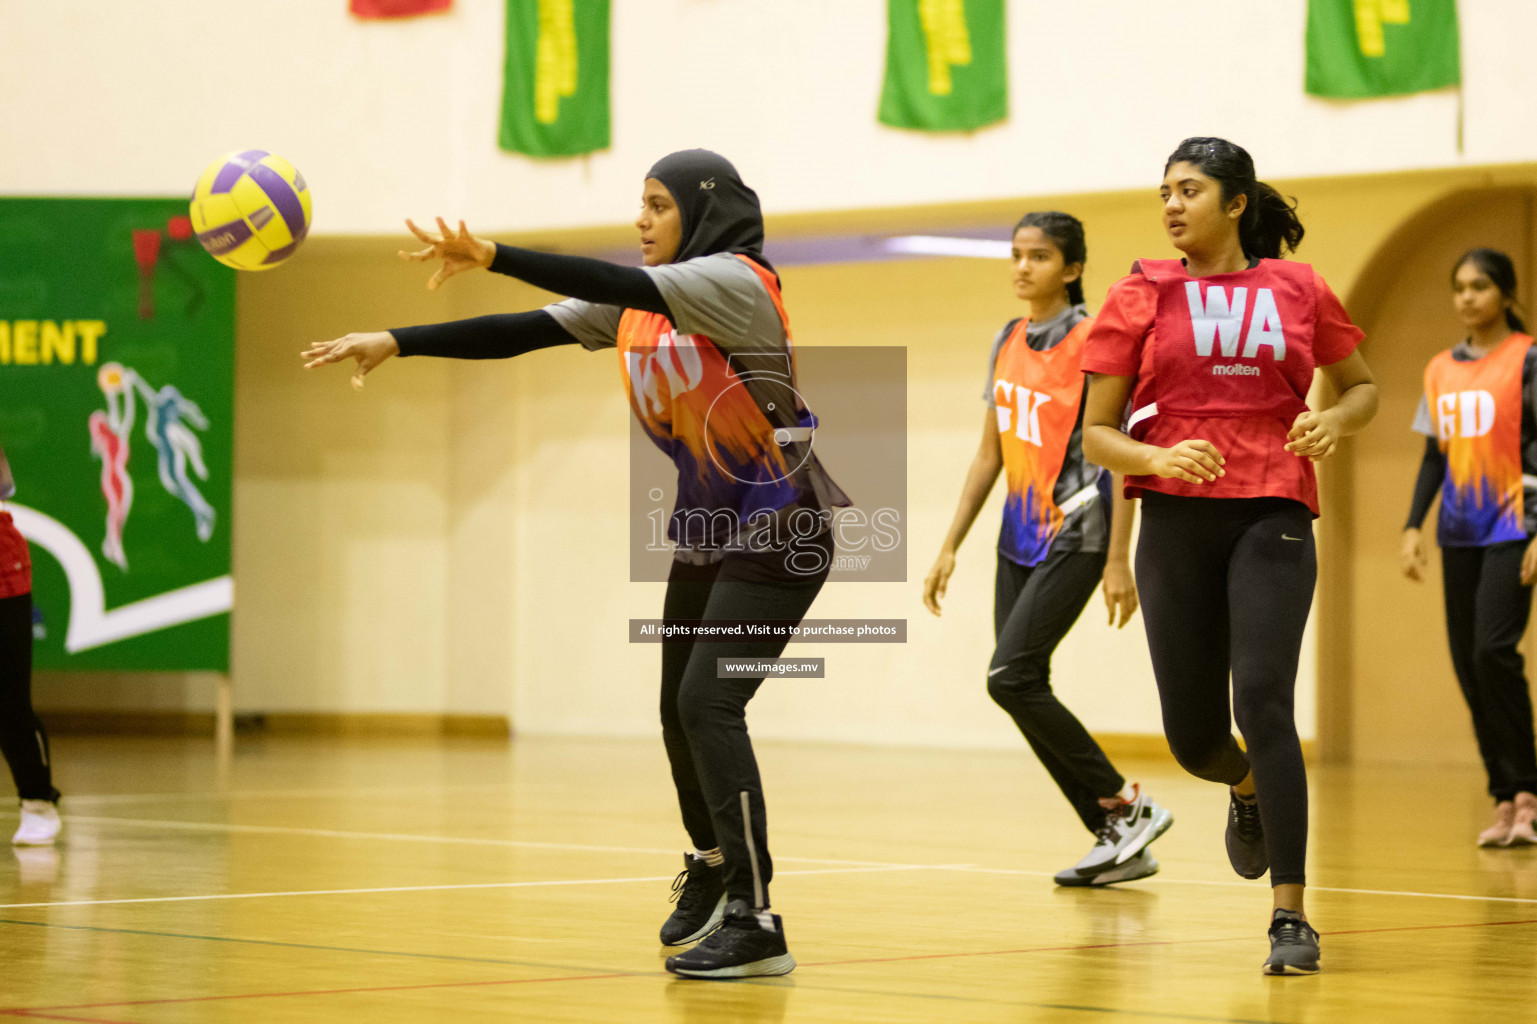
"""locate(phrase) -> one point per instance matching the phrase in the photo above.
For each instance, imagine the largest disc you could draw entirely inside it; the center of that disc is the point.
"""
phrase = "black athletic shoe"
(1246, 838)
(700, 893)
(1293, 945)
(742, 947)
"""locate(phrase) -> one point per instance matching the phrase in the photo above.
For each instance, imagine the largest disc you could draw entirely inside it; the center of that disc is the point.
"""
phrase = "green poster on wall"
(555, 78)
(116, 412)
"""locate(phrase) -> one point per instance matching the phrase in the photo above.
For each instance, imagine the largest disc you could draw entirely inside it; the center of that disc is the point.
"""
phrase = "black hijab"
(719, 213)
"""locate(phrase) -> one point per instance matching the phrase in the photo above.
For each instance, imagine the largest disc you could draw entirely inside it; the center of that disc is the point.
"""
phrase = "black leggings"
(1033, 608)
(1226, 585)
(704, 719)
(22, 738)
(1486, 613)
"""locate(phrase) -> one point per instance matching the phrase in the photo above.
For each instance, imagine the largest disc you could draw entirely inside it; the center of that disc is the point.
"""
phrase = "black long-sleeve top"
(503, 335)
(1427, 486)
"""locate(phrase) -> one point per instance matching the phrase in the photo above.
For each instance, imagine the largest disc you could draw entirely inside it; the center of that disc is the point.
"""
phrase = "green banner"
(555, 89)
(1362, 48)
(117, 369)
(946, 68)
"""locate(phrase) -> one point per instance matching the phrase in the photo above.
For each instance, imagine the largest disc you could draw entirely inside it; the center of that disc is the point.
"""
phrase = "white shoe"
(40, 823)
(1126, 832)
(1141, 866)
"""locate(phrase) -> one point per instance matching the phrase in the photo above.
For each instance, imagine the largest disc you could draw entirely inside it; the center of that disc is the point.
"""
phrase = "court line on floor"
(198, 826)
(34, 1011)
(972, 868)
(44, 1011)
(316, 947)
(208, 897)
(1148, 942)
(38, 1015)
(324, 792)
(412, 837)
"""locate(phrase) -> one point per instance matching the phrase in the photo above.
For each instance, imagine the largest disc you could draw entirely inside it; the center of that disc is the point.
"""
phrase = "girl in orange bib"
(1060, 537)
(706, 362)
(1479, 418)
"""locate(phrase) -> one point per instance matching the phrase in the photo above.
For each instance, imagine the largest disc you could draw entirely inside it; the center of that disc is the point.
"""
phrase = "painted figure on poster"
(110, 442)
(169, 420)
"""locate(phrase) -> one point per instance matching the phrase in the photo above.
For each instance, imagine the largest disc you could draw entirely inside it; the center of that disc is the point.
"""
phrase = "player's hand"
(937, 580)
(459, 250)
(1198, 462)
(1120, 588)
(1529, 564)
(1411, 556)
(1314, 435)
(369, 349)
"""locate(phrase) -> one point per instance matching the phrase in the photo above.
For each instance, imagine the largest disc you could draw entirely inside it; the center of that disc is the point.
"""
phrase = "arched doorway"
(1386, 688)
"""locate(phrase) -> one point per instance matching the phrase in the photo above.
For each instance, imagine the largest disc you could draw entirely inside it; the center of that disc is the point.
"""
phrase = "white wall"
(395, 119)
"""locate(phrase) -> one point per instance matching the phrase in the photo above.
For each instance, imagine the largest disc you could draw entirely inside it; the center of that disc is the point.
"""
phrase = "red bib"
(1233, 345)
(1036, 396)
(15, 560)
(1476, 407)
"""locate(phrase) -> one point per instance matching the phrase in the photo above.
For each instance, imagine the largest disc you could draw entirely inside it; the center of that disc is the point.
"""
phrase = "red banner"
(397, 8)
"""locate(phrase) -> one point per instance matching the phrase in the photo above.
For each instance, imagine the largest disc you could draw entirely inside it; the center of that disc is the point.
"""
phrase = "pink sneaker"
(1498, 834)
(1522, 832)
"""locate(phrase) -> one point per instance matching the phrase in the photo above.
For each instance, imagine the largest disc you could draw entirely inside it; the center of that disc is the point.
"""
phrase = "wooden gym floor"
(468, 880)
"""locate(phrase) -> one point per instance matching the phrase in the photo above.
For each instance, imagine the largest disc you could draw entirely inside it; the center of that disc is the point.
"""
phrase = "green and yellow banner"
(555, 90)
(117, 371)
(946, 65)
(1358, 49)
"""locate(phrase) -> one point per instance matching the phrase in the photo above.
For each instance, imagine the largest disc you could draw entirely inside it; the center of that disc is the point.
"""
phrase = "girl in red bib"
(22, 739)
(1059, 539)
(706, 363)
(1479, 418)
(1200, 369)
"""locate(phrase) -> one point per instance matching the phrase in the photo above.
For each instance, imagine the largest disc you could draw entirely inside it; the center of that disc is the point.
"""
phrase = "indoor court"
(483, 480)
(472, 880)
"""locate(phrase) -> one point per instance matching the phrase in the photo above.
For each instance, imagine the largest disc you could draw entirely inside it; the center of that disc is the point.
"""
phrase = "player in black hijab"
(705, 291)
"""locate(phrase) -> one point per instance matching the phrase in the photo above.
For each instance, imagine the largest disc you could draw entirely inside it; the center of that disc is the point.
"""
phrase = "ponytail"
(1269, 227)
(1066, 233)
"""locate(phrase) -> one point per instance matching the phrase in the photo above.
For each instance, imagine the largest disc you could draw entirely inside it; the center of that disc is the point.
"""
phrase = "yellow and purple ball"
(251, 210)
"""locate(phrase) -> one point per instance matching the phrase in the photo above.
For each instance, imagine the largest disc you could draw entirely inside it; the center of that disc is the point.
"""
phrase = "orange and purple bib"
(1037, 396)
(1475, 405)
(737, 451)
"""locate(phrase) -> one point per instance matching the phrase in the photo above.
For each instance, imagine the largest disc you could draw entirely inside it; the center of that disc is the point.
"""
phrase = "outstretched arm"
(579, 277)
(500, 336)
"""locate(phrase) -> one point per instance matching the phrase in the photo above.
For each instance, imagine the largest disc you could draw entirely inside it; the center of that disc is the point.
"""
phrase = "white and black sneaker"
(1140, 866)
(1293, 945)
(748, 944)
(1126, 832)
(1246, 838)
(700, 893)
